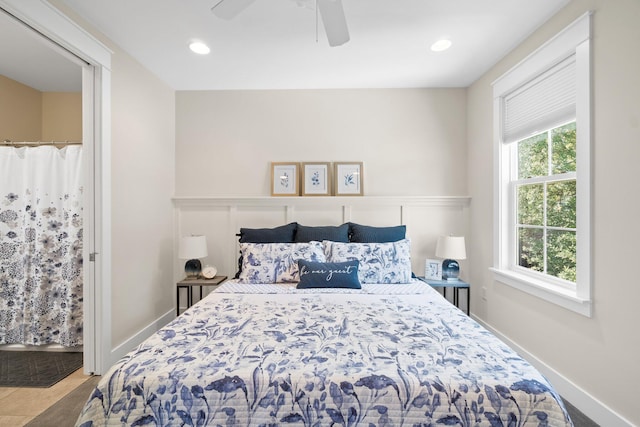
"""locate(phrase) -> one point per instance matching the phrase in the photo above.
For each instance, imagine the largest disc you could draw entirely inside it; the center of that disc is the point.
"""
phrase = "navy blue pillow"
(282, 234)
(366, 234)
(338, 233)
(328, 274)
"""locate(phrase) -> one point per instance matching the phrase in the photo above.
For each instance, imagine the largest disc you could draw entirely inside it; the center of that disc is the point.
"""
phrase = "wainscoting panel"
(220, 219)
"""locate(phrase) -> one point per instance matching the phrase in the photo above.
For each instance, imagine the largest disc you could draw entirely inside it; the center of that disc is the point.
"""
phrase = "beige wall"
(412, 141)
(142, 179)
(27, 114)
(598, 354)
(61, 116)
(142, 184)
(20, 111)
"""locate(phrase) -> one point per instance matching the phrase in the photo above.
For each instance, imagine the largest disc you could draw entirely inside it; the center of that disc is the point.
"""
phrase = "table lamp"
(451, 248)
(191, 248)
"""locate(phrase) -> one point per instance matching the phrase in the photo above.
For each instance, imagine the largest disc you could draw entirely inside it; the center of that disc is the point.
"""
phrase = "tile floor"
(18, 406)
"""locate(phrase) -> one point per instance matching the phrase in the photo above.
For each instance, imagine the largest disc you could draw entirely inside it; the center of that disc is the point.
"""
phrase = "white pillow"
(276, 262)
(379, 262)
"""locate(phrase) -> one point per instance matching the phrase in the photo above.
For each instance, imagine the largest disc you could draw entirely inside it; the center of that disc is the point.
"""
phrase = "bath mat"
(36, 368)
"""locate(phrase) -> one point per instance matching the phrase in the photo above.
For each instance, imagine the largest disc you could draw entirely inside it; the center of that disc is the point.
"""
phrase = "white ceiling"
(272, 44)
(28, 58)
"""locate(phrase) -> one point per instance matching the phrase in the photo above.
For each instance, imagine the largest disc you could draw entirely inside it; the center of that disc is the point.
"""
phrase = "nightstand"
(190, 283)
(456, 285)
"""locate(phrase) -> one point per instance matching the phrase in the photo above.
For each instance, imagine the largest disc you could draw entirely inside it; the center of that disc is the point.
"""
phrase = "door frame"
(95, 58)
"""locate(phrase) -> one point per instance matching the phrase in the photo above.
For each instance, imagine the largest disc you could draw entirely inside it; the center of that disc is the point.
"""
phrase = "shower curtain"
(41, 245)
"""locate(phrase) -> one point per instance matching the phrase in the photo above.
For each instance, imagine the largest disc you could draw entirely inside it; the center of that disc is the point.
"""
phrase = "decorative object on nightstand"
(451, 248)
(191, 248)
(433, 269)
(209, 272)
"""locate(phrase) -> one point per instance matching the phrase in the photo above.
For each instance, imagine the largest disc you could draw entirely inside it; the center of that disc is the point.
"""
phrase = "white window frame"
(575, 39)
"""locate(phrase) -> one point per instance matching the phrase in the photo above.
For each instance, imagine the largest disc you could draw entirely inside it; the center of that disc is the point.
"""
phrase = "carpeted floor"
(36, 368)
(66, 411)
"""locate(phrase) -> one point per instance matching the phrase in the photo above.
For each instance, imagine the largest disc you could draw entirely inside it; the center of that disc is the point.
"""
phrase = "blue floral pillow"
(276, 262)
(379, 262)
(328, 274)
(282, 234)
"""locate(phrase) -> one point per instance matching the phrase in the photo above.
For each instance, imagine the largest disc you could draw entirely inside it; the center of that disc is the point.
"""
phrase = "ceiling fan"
(331, 11)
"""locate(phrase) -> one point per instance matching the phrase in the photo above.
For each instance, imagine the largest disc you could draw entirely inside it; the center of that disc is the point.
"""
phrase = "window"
(544, 190)
(542, 127)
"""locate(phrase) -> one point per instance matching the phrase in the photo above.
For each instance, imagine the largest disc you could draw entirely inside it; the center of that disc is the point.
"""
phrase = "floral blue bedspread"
(306, 359)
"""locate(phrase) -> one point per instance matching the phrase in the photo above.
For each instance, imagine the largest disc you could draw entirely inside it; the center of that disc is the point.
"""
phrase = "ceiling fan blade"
(229, 9)
(334, 21)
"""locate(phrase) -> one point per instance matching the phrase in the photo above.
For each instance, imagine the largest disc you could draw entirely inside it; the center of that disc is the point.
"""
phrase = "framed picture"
(284, 179)
(348, 178)
(316, 179)
(433, 269)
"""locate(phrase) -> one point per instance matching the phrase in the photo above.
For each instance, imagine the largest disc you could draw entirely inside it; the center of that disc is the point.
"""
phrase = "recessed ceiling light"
(199, 48)
(441, 45)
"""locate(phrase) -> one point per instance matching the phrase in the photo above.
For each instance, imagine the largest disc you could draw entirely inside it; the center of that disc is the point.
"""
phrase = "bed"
(304, 353)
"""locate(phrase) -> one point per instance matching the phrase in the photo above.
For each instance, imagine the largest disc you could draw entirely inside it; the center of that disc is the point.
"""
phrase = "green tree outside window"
(545, 192)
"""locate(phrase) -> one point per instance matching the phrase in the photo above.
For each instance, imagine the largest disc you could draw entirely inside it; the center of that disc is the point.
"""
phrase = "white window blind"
(546, 101)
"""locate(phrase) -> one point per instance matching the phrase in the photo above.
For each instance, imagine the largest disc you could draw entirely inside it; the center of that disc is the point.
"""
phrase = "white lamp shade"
(451, 247)
(193, 247)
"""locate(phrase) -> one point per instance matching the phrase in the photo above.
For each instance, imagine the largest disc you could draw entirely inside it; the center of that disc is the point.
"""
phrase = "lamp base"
(192, 268)
(450, 270)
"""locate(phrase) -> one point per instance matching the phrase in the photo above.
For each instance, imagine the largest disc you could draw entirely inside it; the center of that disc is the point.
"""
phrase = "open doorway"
(42, 23)
(41, 208)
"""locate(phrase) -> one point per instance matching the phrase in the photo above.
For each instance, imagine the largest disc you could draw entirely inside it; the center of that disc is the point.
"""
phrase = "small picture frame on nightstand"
(433, 269)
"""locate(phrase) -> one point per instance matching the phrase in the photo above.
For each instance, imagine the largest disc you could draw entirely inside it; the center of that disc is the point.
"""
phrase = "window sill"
(553, 294)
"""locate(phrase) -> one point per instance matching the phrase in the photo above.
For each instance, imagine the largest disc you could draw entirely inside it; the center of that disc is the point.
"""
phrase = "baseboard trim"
(585, 402)
(118, 352)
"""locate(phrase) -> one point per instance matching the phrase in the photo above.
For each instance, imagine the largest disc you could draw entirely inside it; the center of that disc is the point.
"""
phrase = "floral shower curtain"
(41, 245)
